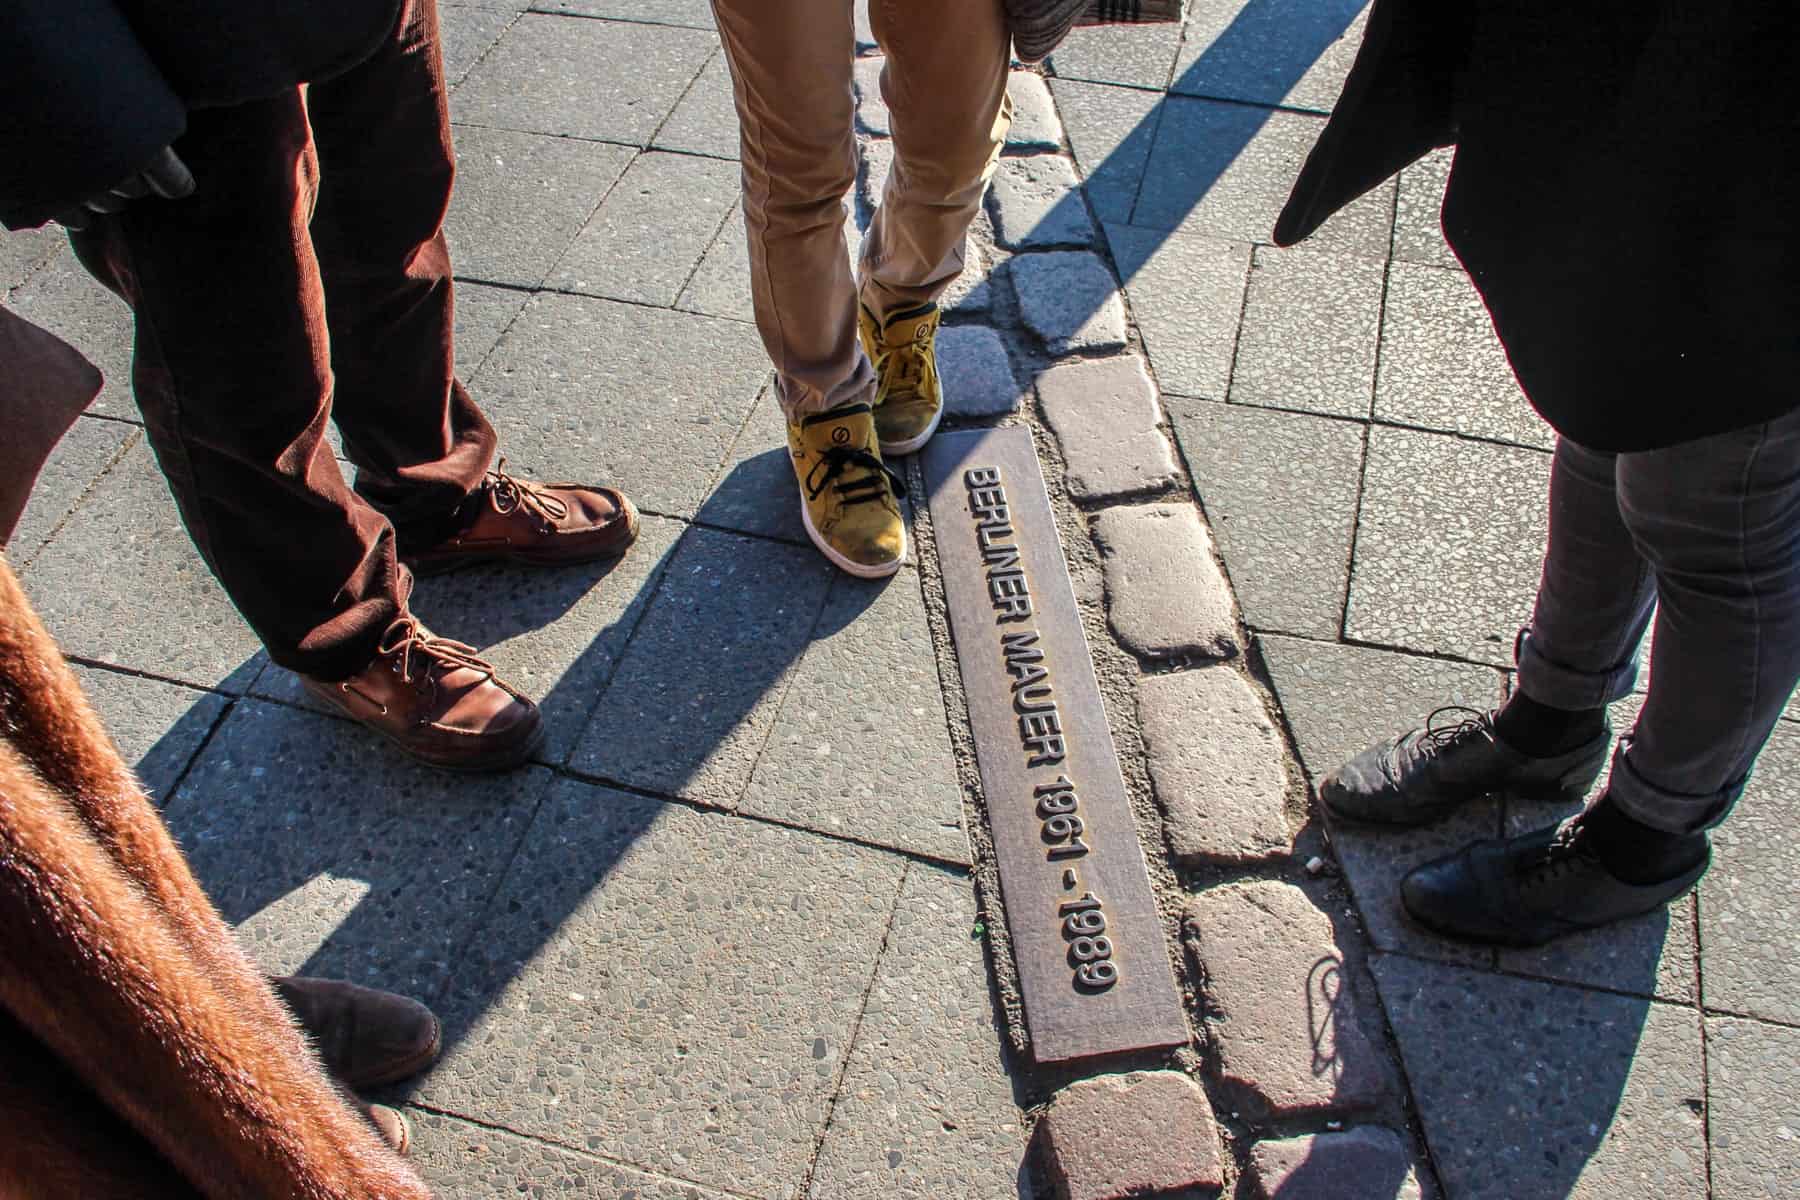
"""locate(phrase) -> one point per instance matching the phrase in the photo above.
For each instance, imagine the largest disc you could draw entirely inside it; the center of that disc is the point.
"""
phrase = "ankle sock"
(1633, 851)
(1543, 732)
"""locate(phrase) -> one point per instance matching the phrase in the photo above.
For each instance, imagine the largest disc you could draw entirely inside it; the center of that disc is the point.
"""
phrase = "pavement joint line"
(460, 123)
(1379, 422)
(1362, 472)
(200, 748)
(546, 289)
(615, 20)
(139, 673)
(130, 443)
(450, 87)
(577, 1151)
(1152, 89)
(862, 1008)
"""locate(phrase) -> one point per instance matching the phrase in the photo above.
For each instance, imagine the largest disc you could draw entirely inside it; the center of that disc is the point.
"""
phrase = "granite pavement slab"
(859, 747)
(1418, 212)
(926, 1109)
(1310, 328)
(1753, 1079)
(705, 121)
(1287, 54)
(157, 726)
(1110, 131)
(649, 234)
(757, 492)
(1137, 56)
(477, 1162)
(672, 989)
(1187, 295)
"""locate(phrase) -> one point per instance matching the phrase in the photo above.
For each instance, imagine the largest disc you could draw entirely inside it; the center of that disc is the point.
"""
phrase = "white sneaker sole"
(850, 566)
(898, 449)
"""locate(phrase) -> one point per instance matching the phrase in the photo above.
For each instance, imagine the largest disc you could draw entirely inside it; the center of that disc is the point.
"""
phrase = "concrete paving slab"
(1418, 227)
(336, 855)
(483, 314)
(468, 33)
(706, 120)
(720, 286)
(1442, 367)
(671, 989)
(926, 1109)
(1753, 1078)
(859, 747)
(1750, 900)
(157, 726)
(1281, 54)
(1226, 170)
(1140, 56)
(1310, 327)
(695, 14)
(1280, 490)
(70, 303)
(647, 400)
(1105, 416)
(1037, 203)
(89, 448)
(23, 252)
(1111, 131)
(1187, 294)
(611, 81)
(476, 1162)
(649, 234)
(521, 198)
(1070, 300)
(740, 612)
(1449, 546)
(155, 607)
(1534, 1091)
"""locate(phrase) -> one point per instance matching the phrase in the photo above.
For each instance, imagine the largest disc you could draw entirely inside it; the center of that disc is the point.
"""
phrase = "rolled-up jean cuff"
(1550, 682)
(1659, 808)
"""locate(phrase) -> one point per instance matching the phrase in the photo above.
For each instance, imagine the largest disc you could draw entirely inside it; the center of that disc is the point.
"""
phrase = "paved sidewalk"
(729, 936)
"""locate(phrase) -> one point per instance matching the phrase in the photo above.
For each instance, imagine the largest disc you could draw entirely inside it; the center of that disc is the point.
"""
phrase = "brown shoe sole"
(531, 558)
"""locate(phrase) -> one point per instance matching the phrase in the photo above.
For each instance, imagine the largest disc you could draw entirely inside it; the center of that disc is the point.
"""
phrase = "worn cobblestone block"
(877, 161)
(1165, 595)
(1218, 766)
(1288, 1028)
(1069, 299)
(977, 375)
(1187, 294)
(1037, 203)
(1148, 1133)
(973, 291)
(1035, 125)
(871, 109)
(1310, 327)
(1362, 1164)
(1105, 415)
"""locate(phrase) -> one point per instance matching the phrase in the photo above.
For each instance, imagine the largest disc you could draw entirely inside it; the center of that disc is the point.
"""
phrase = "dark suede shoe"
(364, 1037)
(1527, 890)
(1426, 773)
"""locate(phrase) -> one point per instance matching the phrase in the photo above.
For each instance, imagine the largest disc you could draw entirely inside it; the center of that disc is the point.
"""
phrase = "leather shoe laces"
(1440, 738)
(408, 641)
(508, 495)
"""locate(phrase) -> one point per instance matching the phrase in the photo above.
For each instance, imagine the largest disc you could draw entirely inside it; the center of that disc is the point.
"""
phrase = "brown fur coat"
(142, 1054)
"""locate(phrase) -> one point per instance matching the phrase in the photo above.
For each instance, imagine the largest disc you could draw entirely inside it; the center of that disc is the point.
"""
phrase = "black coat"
(90, 89)
(1625, 195)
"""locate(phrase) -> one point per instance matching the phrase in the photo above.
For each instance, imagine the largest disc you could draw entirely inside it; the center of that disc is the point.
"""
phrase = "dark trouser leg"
(383, 136)
(233, 375)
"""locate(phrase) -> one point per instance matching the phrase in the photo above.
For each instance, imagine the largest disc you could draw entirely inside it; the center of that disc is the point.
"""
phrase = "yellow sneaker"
(909, 401)
(849, 498)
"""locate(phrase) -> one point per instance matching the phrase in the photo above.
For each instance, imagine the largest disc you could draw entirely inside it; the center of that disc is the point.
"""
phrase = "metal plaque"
(1093, 965)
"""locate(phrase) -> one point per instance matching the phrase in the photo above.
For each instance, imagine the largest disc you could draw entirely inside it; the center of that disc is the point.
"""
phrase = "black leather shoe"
(1527, 890)
(1425, 773)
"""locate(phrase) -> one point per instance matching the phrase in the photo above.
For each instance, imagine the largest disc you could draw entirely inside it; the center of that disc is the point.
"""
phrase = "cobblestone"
(1037, 203)
(1035, 125)
(1069, 299)
(1105, 416)
(871, 110)
(1279, 1006)
(1362, 1164)
(977, 376)
(1217, 766)
(1165, 594)
(1141, 1134)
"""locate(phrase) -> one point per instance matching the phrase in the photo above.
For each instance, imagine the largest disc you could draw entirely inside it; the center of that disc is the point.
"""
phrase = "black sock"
(1634, 852)
(1544, 732)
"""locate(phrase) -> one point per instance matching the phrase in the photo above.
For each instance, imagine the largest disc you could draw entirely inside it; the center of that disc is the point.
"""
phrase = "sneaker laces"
(1438, 738)
(508, 494)
(407, 639)
(901, 369)
(871, 486)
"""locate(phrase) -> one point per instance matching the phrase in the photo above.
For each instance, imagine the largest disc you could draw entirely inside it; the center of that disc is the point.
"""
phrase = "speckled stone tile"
(474, 1162)
(696, 14)
(1294, 55)
(1139, 56)
(926, 1108)
(336, 855)
(1280, 491)
(1534, 1091)
(555, 634)
(23, 252)
(1310, 327)
(87, 450)
(1753, 1082)
(706, 120)
(689, 708)
(157, 726)
(1186, 295)
(468, 33)
(650, 233)
(672, 989)
(647, 400)
(154, 607)
(1750, 900)
(70, 303)
(521, 198)
(612, 81)
(1110, 131)
(1418, 225)
(859, 748)
(1226, 170)
(1338, 700)
(1449, 546)
(720, 286)
(483, 314)
(1442, 367)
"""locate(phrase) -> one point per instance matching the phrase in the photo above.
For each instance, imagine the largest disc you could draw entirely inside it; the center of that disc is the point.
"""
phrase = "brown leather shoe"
(539, 524)
(438, 700)
(392, 1126)
(364, 1037)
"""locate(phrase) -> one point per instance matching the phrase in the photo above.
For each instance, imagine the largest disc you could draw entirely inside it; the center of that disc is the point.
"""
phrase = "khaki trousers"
(945, 86)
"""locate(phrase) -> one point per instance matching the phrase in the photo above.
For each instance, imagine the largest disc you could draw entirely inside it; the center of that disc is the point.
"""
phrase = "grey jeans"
(1706, 534)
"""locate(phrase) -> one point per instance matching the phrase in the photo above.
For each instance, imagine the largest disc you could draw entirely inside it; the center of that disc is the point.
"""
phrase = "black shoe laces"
(1438, 738)
(1566, 851)
(877, 479)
